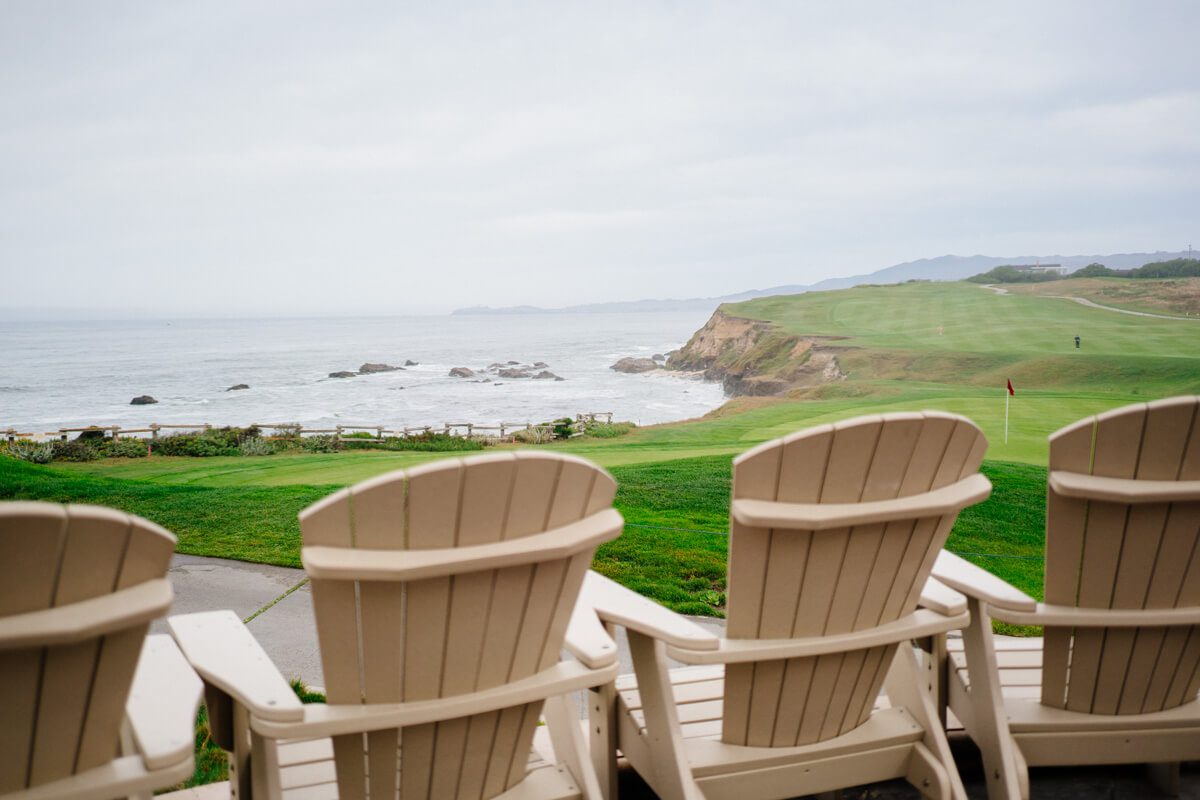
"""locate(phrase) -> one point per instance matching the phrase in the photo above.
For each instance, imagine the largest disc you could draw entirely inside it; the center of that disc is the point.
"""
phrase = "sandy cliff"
(752, 357)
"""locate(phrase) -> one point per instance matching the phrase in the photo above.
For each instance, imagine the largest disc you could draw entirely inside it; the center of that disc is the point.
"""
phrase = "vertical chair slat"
(1139, 551)
(533, 495)
(1117, 444)
(147, 556)
(91, 564)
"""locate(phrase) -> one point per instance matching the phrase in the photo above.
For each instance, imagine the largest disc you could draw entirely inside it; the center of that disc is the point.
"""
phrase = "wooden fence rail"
(466, 430)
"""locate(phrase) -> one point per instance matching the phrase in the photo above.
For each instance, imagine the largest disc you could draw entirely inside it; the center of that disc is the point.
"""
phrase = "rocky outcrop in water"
(371, 369)
(237, 387)
(635, 365)
(343, 374)
(143, 400)
(462, 372)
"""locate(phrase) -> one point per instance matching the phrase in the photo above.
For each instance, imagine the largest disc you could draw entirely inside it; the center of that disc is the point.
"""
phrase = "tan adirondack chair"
(834, 531)
(442, 597)
(90, 706)
(1116, 676)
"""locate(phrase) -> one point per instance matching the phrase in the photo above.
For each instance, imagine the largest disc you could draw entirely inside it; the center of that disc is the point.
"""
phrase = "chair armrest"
(321, 719)
(919, 624)
(613, 603)
(586, 638)
(1076, 617)
(976, 582)
(1122, 490)
(939, 597)
(162, 704)
(831, 516)
(408, 565)
(227, 656)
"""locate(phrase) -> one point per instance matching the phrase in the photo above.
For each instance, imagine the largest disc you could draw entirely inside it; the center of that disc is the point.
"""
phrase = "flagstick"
(1007, 397)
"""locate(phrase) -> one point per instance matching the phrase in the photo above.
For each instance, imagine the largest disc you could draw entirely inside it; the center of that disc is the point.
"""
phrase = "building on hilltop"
(1038, 269)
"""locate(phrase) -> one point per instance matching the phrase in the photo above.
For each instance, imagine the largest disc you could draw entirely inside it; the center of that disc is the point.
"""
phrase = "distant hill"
(942, 268)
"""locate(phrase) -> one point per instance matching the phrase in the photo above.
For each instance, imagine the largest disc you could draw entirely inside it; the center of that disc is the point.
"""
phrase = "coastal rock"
(143, 400)
(547, 375)
(371, 369)
(410, 363)
(659, 357)
(343, 374)
(634, 365)
(462, 372)
(237, 387)
(756, 358)
(513, 363)
(495, 365)
(518, 372)
(540, 365)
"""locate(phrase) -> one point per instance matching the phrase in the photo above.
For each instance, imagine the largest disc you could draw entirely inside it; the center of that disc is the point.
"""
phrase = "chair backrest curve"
(791, 583)
(394, 641)
(1130, 556)
(63, 704)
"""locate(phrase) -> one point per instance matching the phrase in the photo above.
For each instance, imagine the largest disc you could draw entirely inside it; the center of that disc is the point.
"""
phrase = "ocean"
(68, 374)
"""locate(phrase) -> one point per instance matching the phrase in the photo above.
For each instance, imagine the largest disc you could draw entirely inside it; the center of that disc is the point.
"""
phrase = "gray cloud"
(292, 158)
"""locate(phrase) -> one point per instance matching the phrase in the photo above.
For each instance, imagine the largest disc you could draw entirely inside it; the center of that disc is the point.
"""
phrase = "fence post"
(116, 432)
(470, 430)
(338, 432)
(379, 435)
(153, 430)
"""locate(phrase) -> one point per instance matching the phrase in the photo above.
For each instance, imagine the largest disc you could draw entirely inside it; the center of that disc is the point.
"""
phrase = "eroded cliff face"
(751, 357)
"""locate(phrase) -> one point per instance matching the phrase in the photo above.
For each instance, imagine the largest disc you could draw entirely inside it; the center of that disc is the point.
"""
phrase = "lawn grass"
(673, 549)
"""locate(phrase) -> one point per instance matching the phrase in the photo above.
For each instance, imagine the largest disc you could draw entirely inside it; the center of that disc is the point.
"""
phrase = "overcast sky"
(290, 157)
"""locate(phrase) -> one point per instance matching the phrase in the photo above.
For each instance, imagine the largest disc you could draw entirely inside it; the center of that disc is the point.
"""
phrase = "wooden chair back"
(793, 583)
(1124, 556)
(388, 642)
(63, 697)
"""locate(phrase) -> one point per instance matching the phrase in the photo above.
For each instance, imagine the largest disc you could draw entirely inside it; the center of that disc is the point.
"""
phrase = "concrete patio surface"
(278, 604)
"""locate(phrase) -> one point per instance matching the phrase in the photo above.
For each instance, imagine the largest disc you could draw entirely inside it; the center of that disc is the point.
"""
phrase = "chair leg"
(569, 745)
(1165, 777)
(602, 733)
(990, 723)
(672, 775)
(905, 690)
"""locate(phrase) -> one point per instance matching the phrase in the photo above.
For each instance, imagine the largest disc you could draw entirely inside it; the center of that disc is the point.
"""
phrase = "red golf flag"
(1010, 389)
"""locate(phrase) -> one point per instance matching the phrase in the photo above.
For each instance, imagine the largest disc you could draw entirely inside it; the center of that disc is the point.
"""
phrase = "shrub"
(320, 444)
(212, 442)
(125, 448)
(1094, 270)
(33, 452)
(608, 430)
(75, 450)
(427, 442)
(563, 428)
(1175, 268)
(255, 446)
(533, 436)
(1013, 275)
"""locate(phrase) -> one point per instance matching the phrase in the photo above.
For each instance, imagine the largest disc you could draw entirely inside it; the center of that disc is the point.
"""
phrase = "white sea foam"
(74, 373)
